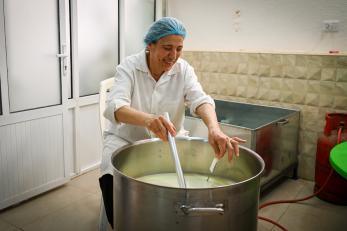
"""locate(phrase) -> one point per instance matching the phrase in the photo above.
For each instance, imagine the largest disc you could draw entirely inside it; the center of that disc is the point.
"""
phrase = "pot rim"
(136, 143)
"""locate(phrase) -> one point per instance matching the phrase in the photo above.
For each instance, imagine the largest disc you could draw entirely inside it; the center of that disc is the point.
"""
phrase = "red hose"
(301, 199)
(339, 134)
(339, 137)
(291, 201)
(273, 222)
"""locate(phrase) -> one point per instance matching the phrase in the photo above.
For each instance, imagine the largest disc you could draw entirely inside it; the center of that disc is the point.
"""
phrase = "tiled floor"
(75, 206)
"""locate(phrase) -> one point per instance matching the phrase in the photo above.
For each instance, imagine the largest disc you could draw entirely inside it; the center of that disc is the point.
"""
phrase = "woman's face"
(165, 52)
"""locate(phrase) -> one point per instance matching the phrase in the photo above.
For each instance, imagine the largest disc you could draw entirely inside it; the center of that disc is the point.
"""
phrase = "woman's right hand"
(156, 124)
(160, 126)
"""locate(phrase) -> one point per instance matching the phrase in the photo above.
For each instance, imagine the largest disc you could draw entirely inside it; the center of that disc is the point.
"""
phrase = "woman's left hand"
(221, 143)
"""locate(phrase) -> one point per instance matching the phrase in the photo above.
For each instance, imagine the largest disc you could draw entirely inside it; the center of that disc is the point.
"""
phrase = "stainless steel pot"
(140, 206)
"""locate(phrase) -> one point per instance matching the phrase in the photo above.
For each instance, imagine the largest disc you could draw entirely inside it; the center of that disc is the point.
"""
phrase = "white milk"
(192, 180)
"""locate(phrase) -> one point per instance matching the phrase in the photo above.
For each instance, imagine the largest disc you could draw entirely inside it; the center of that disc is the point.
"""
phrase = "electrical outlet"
(331, 25)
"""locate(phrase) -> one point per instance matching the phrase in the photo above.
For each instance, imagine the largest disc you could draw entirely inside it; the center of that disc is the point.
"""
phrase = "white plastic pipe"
(213, 164)
(174, 153)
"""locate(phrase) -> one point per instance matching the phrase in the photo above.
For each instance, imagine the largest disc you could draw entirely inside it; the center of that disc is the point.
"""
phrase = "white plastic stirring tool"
(174, 153)
(213, 165)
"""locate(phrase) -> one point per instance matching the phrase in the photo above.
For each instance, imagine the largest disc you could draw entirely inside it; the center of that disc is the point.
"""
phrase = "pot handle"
(189, 210)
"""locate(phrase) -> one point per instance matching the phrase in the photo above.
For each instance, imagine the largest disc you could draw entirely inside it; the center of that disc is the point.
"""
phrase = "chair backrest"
(105, 86)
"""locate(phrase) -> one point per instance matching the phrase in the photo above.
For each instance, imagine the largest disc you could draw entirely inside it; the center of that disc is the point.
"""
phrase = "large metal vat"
(272, 132)
(140, 206)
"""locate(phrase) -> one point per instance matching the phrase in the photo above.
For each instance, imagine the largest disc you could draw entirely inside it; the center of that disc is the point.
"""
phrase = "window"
(97, 43)
(138, 16)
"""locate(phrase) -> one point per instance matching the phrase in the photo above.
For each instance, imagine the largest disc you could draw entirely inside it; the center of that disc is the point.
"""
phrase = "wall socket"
(331, 25)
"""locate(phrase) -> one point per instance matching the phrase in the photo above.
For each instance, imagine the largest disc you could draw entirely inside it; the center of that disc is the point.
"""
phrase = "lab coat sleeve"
(194, 94)
(120, 94)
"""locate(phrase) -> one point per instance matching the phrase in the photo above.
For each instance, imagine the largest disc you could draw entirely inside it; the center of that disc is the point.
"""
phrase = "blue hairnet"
(164, 27)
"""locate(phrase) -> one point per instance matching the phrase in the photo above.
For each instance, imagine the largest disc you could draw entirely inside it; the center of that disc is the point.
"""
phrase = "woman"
(148, 84)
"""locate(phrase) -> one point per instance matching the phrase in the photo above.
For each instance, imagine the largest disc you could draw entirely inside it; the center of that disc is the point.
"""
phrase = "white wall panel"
(0, 98)
(70, 140)
(89, 137)
(33, 68)
(293, 26)
(31, 155)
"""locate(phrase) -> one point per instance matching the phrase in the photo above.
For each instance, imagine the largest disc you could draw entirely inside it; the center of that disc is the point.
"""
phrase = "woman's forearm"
(219, 141)
(208, 115)
(132, 116)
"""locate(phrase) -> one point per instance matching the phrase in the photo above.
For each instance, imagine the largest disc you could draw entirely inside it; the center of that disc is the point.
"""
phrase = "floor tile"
(262, 226)
(7, 227)
(314, 214)
(88, 182)
(285, 190)
(29, 211)
(82, 215)
(316, 202)
(304, 217)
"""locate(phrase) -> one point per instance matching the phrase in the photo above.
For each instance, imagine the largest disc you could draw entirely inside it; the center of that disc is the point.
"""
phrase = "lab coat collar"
(142, 64)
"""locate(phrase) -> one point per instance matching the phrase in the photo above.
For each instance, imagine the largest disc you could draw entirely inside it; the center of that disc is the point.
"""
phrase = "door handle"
(63, 56)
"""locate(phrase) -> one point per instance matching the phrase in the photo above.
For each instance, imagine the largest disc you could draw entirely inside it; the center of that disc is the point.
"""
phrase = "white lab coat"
(135, 87)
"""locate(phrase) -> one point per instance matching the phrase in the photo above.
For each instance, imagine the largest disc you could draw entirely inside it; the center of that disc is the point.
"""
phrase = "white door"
(34, 72)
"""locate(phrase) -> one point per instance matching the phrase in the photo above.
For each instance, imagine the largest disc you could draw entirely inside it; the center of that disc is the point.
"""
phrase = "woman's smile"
(164, 53)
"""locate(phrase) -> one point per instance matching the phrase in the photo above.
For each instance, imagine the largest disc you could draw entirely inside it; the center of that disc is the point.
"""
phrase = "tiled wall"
(315, 84)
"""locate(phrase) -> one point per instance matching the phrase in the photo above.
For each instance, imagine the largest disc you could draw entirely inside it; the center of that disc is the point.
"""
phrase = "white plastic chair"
(105, 86)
